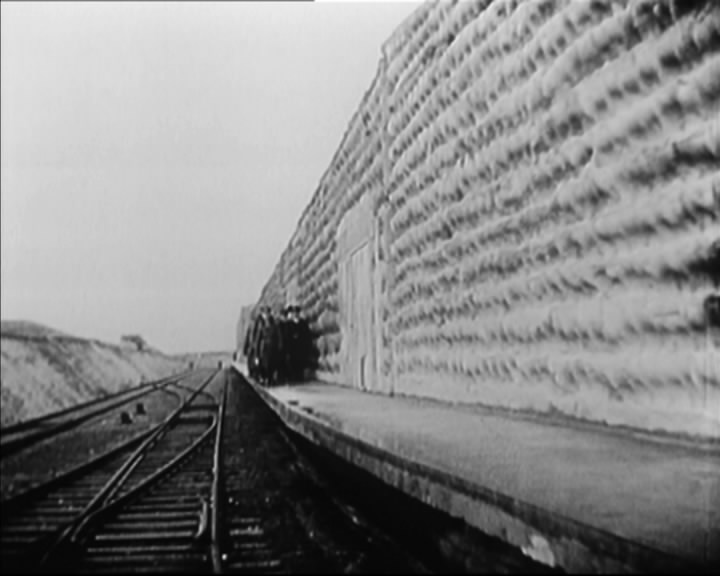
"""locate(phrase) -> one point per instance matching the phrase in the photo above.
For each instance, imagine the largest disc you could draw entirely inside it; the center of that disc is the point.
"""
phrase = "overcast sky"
(157, 157)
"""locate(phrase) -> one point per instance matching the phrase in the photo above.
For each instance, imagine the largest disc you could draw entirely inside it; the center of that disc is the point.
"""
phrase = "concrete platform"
(577, 497)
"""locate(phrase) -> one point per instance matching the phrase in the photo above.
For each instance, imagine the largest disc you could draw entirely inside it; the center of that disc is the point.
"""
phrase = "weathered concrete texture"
(573, 496)
(545, 178)
(554, 189)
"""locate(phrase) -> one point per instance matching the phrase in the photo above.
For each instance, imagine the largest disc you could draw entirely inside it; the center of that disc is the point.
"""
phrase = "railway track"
(279, 515)
(215, 488)
(30, 520)
(163, 524)
(26, 434)
(39, 522)
(221, 486)
(55, 454)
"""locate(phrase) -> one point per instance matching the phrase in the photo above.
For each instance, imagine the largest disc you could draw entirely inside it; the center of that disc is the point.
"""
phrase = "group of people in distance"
(278, 348)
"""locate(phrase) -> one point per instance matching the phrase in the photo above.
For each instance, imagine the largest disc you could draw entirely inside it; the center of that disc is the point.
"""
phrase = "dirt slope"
(43, 370)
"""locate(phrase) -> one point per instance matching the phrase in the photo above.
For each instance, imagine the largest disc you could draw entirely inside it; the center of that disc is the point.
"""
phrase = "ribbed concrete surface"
(553, 201)
(545, 179)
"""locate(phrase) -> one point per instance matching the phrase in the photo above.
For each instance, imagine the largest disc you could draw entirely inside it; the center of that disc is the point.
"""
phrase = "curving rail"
(29, 433)
(39, 522)
(164, 521)
(41, 420)
(216, 487)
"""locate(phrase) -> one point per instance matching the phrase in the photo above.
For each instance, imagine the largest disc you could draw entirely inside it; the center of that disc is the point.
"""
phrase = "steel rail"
(20, 504)
(101, 499)
(167, 390)
(217, 492)
(119, 502)
(187, 388)
(15, 505)
(39, 420)
(71, 541)
(165, 425)
(18, 444)
(42, 420)
(121, 475)
(16, 500)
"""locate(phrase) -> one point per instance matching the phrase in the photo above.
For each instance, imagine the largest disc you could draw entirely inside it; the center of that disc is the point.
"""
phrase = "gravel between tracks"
(54, 456)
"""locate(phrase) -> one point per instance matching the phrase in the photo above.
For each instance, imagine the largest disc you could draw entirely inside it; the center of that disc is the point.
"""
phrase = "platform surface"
(663, 495)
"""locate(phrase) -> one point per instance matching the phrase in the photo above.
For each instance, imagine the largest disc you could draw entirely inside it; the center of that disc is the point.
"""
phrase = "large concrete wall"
(544, 182)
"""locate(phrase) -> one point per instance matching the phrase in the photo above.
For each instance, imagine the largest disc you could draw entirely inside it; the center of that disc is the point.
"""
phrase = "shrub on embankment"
(42, 370)
(546, 180)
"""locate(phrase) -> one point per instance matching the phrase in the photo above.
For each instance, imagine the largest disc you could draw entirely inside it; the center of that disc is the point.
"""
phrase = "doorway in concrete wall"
(357, 298)
(359, 357)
